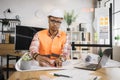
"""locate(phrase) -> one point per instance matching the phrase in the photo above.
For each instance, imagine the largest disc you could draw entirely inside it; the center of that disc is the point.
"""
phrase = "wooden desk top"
(105, 73)
(29, 75)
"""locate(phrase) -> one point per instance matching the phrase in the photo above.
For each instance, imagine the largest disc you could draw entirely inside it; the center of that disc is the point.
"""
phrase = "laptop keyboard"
(91, 66)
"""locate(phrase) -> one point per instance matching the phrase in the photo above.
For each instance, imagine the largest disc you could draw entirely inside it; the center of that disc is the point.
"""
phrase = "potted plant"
(117, 39)
(25, 63)
(69, 18)
(5, 22)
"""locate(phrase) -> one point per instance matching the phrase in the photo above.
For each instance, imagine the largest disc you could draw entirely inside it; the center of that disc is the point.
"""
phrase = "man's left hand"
(58, 63)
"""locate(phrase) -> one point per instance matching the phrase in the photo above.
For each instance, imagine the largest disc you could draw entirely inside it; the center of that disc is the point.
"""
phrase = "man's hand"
(58, 63)
(44, 61)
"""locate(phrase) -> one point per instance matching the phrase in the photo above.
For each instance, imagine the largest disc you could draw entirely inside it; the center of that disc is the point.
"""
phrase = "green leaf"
(70, 17)
(27, 57)
(117, 37)
(100, 53)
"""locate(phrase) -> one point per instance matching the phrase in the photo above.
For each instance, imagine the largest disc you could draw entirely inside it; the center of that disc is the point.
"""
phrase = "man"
(49, 47)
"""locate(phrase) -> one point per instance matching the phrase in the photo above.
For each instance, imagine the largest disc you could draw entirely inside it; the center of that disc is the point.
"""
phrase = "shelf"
(92, 45)
(10, 19)
(79, 37)
(75, 31)
(76, 50)
(7, 31)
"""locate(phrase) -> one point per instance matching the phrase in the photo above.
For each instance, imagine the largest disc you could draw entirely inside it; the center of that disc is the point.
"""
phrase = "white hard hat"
(56, 13)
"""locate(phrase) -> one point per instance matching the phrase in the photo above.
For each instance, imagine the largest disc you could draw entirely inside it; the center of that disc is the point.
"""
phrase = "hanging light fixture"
(7, 11)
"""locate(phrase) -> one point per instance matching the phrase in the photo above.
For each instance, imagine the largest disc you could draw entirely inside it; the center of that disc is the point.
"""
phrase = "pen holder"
(25, 65)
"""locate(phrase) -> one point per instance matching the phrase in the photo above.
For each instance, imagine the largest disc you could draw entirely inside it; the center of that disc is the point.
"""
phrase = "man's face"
(54, 23)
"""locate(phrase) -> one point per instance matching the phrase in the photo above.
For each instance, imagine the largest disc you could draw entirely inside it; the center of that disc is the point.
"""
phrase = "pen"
(61, 75)
(95, 78)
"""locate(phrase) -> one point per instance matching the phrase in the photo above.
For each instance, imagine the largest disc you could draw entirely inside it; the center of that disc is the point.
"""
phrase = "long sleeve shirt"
(35, 45)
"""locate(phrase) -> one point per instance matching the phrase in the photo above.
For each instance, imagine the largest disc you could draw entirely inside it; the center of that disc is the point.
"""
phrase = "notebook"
(103, 60)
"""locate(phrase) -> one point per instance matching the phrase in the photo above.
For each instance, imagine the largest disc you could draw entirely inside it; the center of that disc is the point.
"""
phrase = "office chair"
(108, 52)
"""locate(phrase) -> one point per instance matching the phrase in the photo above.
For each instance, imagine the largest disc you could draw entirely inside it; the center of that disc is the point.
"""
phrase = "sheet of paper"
(69, 64)
(76, 74)
(66, 65)
(112, 63)
(34, 65)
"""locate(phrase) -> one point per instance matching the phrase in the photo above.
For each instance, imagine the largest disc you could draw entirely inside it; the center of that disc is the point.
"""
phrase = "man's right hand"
(44, 61)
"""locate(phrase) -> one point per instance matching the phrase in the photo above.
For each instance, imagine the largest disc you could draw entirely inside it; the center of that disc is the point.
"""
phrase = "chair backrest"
(106, 54)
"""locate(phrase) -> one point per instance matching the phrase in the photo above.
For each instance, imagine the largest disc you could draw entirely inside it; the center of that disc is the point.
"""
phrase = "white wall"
(117, 15)
(34, 12)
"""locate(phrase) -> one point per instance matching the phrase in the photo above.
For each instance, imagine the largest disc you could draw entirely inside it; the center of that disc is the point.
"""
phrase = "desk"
(105, 73)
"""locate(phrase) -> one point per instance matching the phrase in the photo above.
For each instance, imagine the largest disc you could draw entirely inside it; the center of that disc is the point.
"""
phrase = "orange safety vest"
(49, 46)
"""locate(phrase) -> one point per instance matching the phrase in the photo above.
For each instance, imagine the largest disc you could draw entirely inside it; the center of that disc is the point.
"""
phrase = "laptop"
(103, 60)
